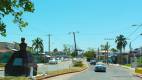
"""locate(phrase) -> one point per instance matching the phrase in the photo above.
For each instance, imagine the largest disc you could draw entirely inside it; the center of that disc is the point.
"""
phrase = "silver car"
(53, 61)
(100, 67)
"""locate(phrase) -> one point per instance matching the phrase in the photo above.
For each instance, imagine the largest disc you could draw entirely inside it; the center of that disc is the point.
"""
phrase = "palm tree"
(121, 42)
(106, 48)
(38, 45)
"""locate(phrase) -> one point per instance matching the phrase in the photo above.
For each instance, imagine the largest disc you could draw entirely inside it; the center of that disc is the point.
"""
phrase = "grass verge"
(128, 65)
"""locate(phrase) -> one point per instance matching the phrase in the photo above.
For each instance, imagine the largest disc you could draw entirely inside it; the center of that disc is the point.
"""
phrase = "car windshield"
(100, 64)
(70, 39)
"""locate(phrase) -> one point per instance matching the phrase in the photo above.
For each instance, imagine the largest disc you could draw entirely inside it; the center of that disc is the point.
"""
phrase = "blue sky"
(95, 20)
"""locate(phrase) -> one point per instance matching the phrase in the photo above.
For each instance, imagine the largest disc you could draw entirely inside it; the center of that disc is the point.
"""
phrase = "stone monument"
(21, 62)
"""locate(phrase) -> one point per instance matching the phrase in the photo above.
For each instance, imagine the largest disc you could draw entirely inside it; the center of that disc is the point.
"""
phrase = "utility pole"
(98, 55)
(129, 59)
(49, 35)
(141, 53)
(74, 39)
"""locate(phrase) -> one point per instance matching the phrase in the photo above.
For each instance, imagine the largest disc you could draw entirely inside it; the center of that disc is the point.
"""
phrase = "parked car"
(53, 61)
(100, 67)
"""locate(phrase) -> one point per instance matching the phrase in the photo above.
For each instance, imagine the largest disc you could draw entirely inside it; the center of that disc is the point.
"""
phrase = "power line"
(135, 38)
(138, 26)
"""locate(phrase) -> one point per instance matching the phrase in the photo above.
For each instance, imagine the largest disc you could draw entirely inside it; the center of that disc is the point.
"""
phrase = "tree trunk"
(120, 56)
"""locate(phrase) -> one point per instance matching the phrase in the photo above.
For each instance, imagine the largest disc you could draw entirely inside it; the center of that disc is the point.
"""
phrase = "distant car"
(100, 67)
(53, 61)
(92, 62)
(66, 59)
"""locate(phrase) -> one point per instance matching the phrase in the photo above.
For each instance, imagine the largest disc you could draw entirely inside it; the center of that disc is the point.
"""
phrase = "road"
(1, 73)
(113, 73)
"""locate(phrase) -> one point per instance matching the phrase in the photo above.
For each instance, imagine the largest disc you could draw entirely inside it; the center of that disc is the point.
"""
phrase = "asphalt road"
(113, 73)
(1, 73)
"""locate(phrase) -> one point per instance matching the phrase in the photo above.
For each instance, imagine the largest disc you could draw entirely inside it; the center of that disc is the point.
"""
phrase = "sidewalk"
(133, 71)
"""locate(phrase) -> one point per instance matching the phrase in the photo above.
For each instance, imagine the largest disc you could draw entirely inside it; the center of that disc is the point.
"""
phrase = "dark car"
(20, 65)
(92, 62)
(100, 67)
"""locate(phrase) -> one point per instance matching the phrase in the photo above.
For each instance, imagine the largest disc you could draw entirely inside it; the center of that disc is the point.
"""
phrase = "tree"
(55, 50)
(15, 8)
(114, 50)
(121, 42)
(67, 49)
(106, 48)
(38, 45)
(89, 54)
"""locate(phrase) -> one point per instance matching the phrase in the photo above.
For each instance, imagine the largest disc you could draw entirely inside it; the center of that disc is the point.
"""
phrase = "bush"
(128, 65)
(2, 65)
(78, 64)
(138, 70)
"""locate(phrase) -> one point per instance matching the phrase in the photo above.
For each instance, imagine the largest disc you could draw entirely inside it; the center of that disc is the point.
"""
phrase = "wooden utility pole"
(74, 39)
(49, 35)
(98, 55)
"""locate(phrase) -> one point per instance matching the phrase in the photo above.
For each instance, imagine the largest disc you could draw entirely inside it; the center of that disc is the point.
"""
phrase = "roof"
(104, 51)
(4, 50)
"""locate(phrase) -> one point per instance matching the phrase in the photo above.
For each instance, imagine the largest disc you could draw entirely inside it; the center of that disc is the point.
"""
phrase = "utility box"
(21, 62)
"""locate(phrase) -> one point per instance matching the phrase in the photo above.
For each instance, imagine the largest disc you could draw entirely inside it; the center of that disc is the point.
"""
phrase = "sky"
(95, 20)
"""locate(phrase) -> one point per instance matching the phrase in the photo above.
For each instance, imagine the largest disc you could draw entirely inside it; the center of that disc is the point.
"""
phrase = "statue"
(23, 45)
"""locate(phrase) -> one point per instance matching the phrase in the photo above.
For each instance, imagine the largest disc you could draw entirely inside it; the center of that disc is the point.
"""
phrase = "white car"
(53, 61)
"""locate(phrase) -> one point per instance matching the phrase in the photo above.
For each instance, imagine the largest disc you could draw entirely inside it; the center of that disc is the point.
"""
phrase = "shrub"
(78, 64)
(138, 70)
(128, 65)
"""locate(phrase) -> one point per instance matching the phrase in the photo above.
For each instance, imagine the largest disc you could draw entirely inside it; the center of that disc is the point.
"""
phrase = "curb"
(135, 74)
(1, 69)
(138, 75)
(44, 77)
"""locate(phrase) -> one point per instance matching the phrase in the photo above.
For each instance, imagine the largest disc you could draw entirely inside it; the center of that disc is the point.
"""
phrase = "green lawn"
(128, 65)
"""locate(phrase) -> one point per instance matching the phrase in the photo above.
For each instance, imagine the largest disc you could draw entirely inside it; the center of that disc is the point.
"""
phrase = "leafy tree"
(73, 54)
(67, 49)
(38, 45)
(90, 53)
(55, 50)
(114, 50)
(121, 42)
(15, 8)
